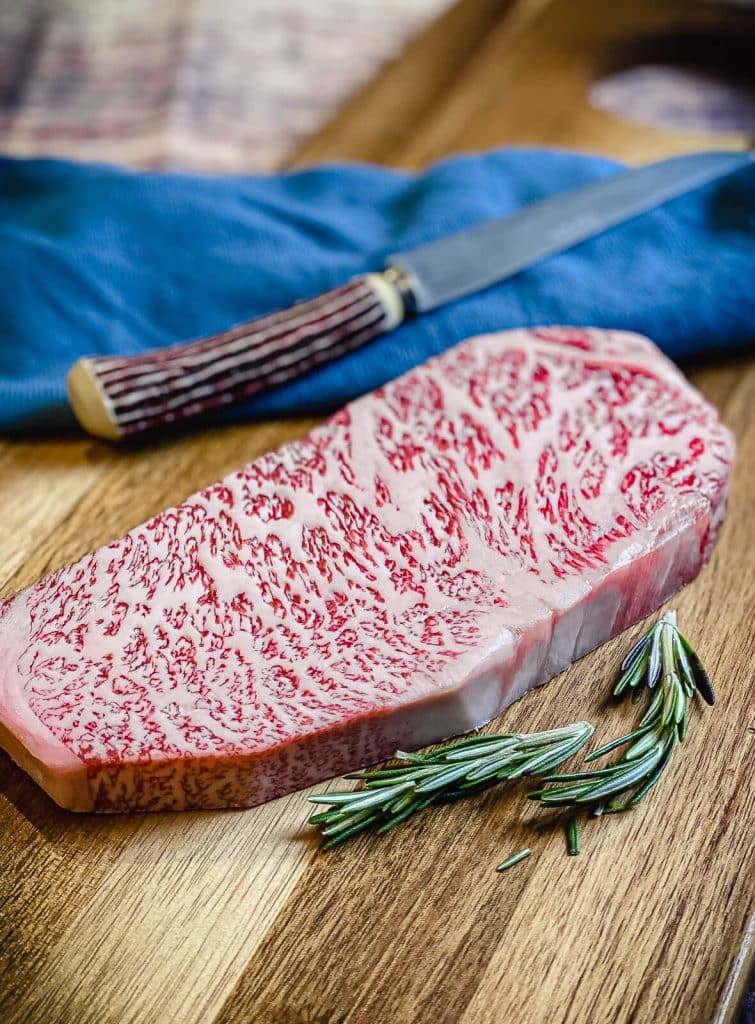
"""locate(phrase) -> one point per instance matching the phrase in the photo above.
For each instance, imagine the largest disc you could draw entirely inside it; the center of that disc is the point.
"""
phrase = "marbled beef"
(397, 576)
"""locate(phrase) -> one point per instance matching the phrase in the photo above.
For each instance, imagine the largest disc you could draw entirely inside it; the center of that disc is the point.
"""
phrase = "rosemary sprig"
(662, 660)
(391, 795)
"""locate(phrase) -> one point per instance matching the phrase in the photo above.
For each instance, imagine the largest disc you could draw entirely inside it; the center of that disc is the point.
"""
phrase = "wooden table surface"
(234, 917)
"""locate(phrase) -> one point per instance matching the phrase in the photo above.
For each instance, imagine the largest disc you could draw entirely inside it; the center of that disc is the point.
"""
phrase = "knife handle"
(122, 397)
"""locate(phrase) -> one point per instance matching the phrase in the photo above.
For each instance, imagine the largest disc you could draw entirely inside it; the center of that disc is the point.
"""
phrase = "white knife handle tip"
(90, 403)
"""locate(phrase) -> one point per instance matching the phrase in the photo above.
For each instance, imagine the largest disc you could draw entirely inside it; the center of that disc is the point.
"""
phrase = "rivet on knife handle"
(122, 397)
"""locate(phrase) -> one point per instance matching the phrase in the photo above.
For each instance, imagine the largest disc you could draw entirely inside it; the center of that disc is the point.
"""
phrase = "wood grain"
(235, 917)
(525, 81)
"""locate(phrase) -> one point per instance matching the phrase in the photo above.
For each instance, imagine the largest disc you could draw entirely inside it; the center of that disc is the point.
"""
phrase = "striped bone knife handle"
(122, 397)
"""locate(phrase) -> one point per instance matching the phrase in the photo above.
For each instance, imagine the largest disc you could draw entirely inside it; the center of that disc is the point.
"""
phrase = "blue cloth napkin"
(96, 259)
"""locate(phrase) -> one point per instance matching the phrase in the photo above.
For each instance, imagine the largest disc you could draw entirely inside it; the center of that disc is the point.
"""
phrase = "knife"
(118, 397)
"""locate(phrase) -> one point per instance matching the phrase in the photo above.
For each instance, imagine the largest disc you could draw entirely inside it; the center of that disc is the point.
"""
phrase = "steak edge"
(396, 577)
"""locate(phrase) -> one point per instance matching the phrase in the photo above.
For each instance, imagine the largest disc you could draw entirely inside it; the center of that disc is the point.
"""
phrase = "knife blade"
(122, 397)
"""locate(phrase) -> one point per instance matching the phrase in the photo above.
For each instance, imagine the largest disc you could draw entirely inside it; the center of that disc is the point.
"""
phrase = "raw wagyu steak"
(396, 577)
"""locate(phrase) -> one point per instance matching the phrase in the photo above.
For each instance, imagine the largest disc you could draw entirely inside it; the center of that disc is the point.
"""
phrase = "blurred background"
(242, 85)
(226, 85)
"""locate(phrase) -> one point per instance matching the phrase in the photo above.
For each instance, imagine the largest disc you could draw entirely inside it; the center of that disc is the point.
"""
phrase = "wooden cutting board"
(235, 917)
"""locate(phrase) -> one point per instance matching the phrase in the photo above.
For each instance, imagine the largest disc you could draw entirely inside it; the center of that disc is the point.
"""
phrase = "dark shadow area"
(688, 80)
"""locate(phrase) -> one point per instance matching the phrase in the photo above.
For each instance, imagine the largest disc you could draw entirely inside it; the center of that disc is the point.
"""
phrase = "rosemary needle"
(515, 858)
(573, 834)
